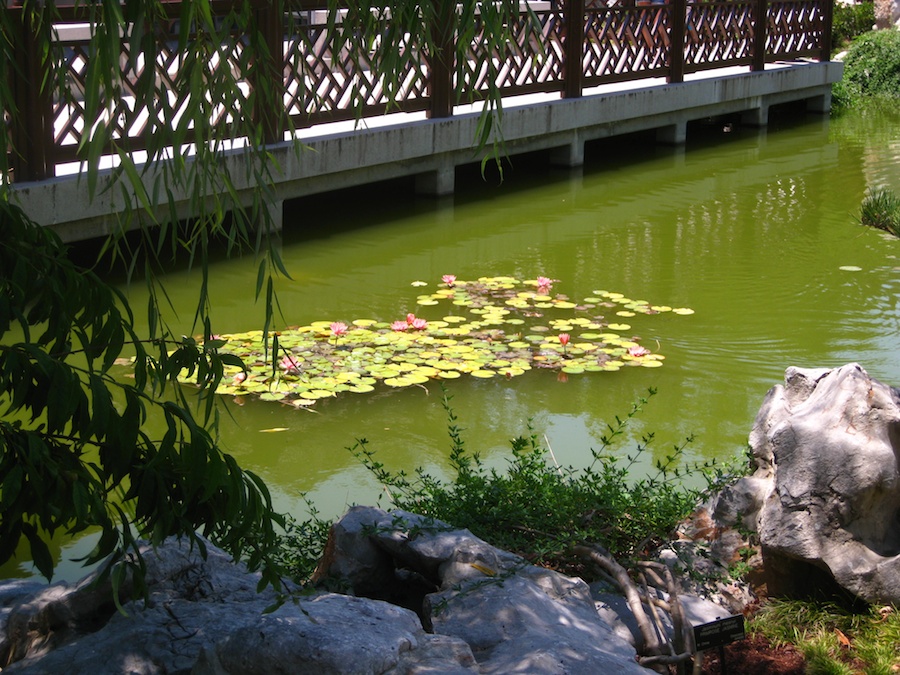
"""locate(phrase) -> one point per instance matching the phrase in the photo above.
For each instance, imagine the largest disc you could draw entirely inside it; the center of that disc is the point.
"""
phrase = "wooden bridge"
(596, 70)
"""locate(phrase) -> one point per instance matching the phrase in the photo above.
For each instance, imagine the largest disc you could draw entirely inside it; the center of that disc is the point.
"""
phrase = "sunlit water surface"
(750, 229)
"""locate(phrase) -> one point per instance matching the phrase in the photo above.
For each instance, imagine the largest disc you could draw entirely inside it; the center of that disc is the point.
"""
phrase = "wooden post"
(32, 129)
(760, 25)
(441, 63)
(573, 47)
(270, 112)
(827, 18)
(678, 9)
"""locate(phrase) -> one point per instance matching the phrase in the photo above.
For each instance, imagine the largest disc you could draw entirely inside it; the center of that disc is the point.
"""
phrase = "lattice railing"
(329, 81)
(625, 43)
(324, 80)
(718, 34)
(795, 28)
(526, 65)
(169, 76)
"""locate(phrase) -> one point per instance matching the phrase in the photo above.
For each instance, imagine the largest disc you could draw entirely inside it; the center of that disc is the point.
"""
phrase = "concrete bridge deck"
(343, 154)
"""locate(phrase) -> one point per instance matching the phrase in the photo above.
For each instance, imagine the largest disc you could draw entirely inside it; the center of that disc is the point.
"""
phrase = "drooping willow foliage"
(75, 452)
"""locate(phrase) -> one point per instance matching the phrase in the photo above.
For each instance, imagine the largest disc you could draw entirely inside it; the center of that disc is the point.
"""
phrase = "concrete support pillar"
(571, 154)
(672, 134)
(437, 183)
(819, 104)
(756, 117)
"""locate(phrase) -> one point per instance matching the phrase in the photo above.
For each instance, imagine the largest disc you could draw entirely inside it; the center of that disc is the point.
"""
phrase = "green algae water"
(756, 231)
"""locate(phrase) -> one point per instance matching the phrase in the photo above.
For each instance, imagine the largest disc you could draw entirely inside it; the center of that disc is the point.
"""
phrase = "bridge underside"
(430, 149)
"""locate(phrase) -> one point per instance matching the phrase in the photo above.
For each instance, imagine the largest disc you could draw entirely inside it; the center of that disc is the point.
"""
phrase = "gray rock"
(515, 617)
(205, 616)
(825, 498)
(330, 634)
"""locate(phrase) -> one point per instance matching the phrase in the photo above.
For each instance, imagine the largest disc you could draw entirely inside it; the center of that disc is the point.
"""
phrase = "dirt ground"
(755, 656)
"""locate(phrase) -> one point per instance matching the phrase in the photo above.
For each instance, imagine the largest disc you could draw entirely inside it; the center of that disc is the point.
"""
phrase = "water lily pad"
(483, 373)
(272, 396)
(684, 311)
(619, 326)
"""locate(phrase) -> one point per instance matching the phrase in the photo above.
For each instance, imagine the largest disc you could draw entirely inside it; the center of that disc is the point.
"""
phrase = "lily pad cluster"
(491, 327)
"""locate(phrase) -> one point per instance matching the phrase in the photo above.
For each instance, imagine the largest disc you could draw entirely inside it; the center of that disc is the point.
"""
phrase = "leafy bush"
(851, 21)
(540, 510)
(871, 69)
(75, 449)
(881, 210)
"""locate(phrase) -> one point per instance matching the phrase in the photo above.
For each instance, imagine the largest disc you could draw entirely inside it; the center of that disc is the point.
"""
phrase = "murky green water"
(750, 229)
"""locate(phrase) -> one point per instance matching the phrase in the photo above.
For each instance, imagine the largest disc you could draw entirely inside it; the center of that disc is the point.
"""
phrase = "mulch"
(755, 656)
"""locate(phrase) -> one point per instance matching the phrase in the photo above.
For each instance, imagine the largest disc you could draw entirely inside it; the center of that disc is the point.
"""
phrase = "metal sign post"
(718, 634)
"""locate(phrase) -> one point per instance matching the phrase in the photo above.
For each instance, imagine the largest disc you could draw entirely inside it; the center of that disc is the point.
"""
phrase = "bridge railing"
(578, 44)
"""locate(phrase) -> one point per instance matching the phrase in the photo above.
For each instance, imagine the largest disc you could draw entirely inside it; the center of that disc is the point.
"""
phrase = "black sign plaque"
(719, 633)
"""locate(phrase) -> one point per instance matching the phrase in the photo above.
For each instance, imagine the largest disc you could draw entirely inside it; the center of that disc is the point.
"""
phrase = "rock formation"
(825, 497)
(485, 610)
(887, 14)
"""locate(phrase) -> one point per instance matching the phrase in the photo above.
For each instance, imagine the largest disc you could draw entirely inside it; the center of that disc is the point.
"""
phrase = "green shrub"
(881, 210)
(540, 510)
(871, 69)
(851, 21)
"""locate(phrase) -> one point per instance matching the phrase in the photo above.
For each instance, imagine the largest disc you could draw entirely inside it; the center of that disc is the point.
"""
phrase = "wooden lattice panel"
(718, 32)
(625, 41)
(525, 65)
(130, 125)
(328, 81)
(794, 28)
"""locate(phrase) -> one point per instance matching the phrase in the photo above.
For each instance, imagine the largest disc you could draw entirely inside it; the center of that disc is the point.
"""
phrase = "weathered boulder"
(887, 14)
(516, 617)
(205, 616)
(825, 497)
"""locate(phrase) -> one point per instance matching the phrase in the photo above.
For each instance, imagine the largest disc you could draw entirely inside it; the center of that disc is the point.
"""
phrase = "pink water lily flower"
(239, 378)
(544, 282)
(289, 366)
(564, 340)
(419, 324)
(338, 328)
(449, 279)
(637, 350)
(410, 318)
(399, 325)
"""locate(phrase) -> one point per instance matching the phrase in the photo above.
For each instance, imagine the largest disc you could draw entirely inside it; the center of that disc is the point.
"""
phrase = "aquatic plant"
(498, 326)
(881, 210)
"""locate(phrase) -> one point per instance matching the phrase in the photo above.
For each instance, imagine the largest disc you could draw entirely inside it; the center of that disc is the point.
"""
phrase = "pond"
(755, 230)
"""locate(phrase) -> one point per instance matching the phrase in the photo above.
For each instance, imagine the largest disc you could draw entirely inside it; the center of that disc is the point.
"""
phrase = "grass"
(881, 210)
(835, 639)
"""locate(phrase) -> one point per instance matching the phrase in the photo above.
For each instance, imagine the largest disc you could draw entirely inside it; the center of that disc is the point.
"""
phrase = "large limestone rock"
(516, 617)
(887, 14)
(825, 497)
(206, 617)
(473, 609)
